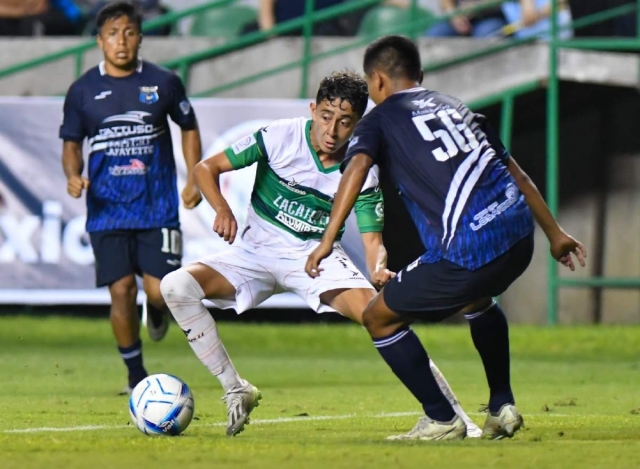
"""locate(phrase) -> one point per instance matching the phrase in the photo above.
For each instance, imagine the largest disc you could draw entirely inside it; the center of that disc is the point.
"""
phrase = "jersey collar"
(103, 70)
(411, 90)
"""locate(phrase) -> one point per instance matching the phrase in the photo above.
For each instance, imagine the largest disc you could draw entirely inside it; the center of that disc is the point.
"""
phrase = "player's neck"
(120, 72)
(402, 85)
(331, 158)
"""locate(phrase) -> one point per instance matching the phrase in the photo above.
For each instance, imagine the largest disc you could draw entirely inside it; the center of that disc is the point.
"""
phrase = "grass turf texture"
(329, 400)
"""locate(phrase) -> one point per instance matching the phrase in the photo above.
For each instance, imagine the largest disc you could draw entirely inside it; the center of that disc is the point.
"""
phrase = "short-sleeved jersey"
(131, 167)
(450, 170)
(293, 192)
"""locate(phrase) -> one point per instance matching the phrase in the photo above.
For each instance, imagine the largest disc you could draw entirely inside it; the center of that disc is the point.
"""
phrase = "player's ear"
(379, 80)
(312, 106)
(141, 38)
(420, 77)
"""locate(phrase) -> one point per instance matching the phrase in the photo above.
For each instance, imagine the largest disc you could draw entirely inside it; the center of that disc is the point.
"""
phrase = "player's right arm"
(207, 173)
(72, 132)
(72, 165)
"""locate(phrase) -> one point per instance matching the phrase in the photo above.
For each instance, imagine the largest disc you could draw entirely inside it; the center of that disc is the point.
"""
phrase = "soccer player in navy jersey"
(121, 107)
(474, 209)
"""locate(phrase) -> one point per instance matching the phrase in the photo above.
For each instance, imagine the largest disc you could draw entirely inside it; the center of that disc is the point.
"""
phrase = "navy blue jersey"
(450, 169)
(132, 171)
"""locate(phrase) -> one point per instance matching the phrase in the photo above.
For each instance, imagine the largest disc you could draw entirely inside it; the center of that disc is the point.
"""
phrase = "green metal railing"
(78, 51)
(412, 28)
(555, 282)
(184, 64)
(505, 99)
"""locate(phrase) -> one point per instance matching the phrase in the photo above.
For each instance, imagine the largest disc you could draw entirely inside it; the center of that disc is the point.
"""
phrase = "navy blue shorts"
(435, 291)
(119, 253)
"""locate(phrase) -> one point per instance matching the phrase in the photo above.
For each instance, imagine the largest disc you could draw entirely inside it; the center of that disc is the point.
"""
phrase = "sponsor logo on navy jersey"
(134, 168)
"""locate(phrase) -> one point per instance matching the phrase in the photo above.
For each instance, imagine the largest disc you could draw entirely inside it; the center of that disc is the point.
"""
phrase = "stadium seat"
(383, 19)
(224, 22)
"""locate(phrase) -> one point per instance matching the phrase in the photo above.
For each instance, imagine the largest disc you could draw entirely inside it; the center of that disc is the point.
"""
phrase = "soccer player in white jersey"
(297, 176)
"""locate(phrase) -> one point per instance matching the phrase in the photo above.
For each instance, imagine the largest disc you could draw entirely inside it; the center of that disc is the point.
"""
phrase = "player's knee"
(371, 321)
(123, 289)
(380, 321)
(180, 286)
(154, 297)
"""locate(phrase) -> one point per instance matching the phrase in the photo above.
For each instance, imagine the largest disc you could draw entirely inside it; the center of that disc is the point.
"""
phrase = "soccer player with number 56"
(121, 107)
(474, 209)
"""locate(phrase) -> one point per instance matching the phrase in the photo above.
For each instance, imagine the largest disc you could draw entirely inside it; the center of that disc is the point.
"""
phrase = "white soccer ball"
(161, 405)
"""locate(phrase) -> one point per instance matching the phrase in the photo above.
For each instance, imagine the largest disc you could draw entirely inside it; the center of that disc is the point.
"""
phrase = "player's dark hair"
(396, 56)
(345, 86)
(117, 10)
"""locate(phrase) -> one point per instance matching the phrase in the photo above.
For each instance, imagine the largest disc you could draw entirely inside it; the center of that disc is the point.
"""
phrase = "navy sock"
(490, 333)
(132, 357)
(408, 359)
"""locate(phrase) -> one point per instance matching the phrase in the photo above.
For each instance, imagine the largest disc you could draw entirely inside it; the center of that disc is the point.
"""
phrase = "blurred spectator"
(481, 24)
(529, 18)
(431, 5)
(19, 17)
(273, 12)
(62, 18)
(150, 9)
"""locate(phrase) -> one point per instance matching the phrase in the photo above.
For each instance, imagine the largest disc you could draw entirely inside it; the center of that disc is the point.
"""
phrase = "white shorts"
(257, 277)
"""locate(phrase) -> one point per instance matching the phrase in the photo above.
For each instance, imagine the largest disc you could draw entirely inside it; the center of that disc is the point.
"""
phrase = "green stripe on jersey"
(299, 210)
(369, 210)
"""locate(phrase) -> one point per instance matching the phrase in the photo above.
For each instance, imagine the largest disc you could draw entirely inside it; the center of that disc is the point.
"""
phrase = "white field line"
(88, 428)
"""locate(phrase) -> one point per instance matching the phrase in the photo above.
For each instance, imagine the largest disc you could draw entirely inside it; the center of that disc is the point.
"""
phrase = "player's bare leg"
(351, 304)
(490, 334)
(184, 291)
(126, 327)
(155, 309)
(400, 347)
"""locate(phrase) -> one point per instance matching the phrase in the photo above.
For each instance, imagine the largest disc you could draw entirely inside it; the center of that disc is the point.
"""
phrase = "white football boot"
(240, 403)
(503, 424)
(427, 429)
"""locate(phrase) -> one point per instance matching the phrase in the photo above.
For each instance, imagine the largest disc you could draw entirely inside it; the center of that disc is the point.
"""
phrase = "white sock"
(453, 400)
(184, 296)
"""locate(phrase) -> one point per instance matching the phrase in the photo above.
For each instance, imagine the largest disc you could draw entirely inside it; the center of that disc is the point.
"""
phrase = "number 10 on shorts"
(171, 241)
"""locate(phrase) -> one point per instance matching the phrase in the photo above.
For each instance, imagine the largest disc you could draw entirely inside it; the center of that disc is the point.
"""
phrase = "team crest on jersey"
(148, 94)
(185, 107)
(380, 211)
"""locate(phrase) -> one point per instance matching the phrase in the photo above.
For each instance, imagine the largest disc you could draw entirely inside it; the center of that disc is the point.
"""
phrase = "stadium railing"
(414, 28)
(79, 50)
(598, 281)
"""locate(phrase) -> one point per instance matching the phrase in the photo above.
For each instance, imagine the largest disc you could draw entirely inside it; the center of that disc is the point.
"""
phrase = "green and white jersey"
(293, 193)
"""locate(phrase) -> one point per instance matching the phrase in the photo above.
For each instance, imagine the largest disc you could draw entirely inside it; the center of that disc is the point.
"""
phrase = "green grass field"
(329, 400)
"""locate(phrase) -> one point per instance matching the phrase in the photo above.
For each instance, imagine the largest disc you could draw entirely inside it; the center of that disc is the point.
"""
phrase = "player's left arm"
(192, 150)
(182, 113)
(562, 244)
